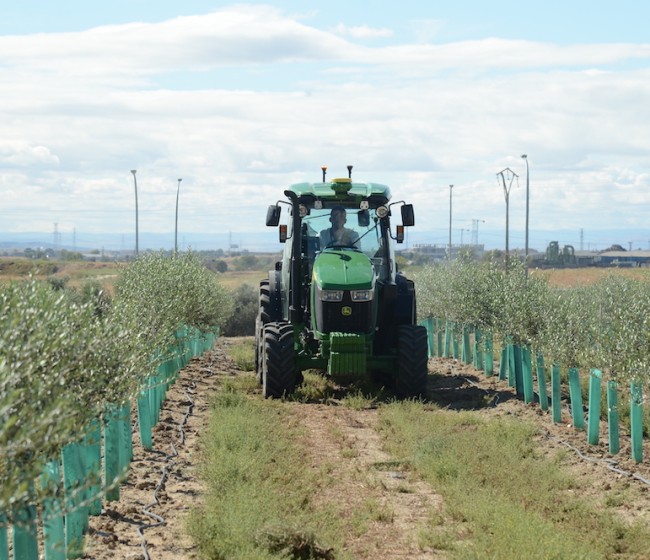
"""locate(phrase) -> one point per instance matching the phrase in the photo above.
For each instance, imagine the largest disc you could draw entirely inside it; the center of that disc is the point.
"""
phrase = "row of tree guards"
(468, 344)
(91, 469)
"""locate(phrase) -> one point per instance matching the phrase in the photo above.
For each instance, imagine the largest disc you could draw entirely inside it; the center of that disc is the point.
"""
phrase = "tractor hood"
(343, 269)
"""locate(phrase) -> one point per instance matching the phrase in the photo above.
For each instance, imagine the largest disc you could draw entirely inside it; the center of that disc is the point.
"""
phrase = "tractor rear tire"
(266, 314)
(413, 356)
(279, 374)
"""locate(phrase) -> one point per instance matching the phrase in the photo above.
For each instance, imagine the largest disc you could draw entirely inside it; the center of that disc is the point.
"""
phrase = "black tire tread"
(279, 370)
(263, 317)
(413, 357)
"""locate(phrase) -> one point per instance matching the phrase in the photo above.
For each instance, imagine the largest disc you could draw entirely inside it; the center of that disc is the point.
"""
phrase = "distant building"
(437, 252)
(623, 258)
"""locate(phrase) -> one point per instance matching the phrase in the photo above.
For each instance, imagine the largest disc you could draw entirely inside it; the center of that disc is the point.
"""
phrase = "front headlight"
(361, 295)
(331, 295)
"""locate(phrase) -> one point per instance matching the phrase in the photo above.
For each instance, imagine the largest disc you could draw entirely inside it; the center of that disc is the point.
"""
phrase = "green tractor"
(336, 302)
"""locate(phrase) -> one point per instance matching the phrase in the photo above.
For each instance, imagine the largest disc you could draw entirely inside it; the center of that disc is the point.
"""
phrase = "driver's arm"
(324, 238)
(354, 239)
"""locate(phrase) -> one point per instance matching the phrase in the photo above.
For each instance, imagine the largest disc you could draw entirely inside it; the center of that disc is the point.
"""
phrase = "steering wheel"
(338, 244)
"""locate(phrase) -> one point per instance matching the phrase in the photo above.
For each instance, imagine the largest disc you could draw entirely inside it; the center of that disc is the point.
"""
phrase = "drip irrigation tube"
(611, 464)
(169, 462)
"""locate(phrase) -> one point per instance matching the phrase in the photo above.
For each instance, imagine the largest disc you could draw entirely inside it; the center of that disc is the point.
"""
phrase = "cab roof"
(338, 189)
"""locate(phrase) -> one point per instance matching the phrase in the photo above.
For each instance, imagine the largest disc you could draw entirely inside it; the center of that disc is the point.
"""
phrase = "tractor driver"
(338, 234)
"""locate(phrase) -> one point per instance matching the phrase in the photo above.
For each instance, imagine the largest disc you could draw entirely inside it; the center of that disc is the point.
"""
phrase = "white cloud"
(82, 109)
(22, 154)
(426, 30)
(362, 31)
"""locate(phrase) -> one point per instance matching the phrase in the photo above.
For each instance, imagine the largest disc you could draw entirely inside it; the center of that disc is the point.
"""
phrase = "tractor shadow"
(364, 392)
(452, 391)
(463, 392)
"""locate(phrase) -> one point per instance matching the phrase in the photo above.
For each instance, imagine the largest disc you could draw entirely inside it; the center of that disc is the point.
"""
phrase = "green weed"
(258, 503)
(500, 491)
(243, 354)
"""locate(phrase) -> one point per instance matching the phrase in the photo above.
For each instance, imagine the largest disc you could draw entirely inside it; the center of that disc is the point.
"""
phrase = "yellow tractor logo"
(346, 311)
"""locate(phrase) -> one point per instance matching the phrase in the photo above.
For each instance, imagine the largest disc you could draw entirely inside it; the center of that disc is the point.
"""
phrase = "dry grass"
(76, 273)
(235, 278)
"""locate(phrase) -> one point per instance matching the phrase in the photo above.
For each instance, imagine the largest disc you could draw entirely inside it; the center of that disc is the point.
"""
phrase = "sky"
(240, 100)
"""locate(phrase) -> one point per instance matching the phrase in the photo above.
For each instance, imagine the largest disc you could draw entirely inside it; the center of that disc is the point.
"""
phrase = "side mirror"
(408, 217)
(273, 215)
(363, 218)
(399, 237)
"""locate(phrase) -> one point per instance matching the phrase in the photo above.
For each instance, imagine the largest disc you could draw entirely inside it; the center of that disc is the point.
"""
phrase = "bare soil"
(163, 485)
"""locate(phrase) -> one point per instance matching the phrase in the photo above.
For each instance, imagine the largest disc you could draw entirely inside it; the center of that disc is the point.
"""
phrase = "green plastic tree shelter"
(527, 375)
(144, 419)
(25, 533)
(478, 353)
(541, 382)
(466, 353)
(4, 544)
(92, 445)
(575, 393)
(595, 380)
(636, 420)
(112, 472)
(428, 323)
(488, 354)
(53, 527)
(76, 517)
(512, 368)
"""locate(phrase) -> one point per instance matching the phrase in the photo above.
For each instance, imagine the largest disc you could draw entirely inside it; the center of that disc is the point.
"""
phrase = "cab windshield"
(356, 229)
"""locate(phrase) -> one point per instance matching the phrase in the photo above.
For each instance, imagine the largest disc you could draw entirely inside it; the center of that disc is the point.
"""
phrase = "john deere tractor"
(336, 302)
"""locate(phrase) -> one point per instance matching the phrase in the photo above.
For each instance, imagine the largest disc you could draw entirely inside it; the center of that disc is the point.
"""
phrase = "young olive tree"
(55, 376)
(163, 294)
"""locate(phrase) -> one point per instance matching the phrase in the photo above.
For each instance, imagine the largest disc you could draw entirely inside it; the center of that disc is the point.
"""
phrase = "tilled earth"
(148, 522)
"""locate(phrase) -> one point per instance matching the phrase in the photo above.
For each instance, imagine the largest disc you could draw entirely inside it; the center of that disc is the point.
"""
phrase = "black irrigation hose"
(159, 520)
(611, 464)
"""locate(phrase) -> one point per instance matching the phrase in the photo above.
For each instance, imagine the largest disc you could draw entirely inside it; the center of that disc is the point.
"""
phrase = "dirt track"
(164, 482)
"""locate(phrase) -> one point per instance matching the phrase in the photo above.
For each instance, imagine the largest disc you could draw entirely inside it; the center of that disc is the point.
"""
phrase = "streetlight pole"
(525, 158)
(450, 191)
(178, 189)
(135, 184)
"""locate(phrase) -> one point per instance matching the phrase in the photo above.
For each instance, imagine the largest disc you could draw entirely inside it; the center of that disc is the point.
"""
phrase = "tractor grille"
(344, 316)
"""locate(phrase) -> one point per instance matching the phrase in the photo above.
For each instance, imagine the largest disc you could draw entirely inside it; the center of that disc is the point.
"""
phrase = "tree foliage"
(65, 354)
(604, 326)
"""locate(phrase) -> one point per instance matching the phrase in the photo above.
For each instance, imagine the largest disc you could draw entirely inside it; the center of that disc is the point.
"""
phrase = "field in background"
(75, 273)
(233, 279)
(568, 277)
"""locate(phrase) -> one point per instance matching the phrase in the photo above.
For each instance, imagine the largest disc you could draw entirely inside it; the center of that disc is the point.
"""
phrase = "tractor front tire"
(265, 314)
(413, 356)
(279, 375)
